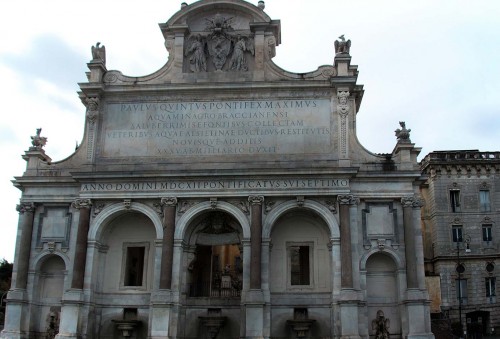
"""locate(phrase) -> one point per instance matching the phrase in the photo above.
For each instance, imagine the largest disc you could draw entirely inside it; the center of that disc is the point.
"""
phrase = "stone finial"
(38, 141)
(342, 46)
(184, 5)
(403, 134)
(98, 53)
(262, 5)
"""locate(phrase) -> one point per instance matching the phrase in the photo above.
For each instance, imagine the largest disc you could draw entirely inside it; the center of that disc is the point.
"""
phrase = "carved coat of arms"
(220, 44)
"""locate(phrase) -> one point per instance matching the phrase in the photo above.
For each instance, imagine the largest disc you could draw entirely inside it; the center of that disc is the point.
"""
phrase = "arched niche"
(382, 290)
(300, 259)
(128, 253)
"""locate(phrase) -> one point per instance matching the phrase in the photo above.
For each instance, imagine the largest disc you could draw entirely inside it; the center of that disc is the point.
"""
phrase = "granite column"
(169, 205)
(84, 205)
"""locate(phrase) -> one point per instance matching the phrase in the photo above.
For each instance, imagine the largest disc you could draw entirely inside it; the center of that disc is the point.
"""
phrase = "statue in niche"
(52, 325)
(241, 45)
(342, 46)
(403, 134)
(38, 141)
(381, 326)
(197, 50)
(99, 53)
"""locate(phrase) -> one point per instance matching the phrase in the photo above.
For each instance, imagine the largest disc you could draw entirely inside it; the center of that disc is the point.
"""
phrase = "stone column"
(345, 201)
(27, 216)
(349, 297)
(167, 254)
(256, 241)
(410, 250)
(17, 311)
(80, 260)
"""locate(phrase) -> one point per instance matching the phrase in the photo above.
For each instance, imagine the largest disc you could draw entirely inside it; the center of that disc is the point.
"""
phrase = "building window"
(487, 235)
(134, 264)
(456, 232)
(455, 200)
(300, 264)
(484, 201)
(461, 287)
(490, 286)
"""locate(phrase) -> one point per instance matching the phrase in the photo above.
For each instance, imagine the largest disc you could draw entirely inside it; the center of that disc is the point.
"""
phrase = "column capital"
(347, 199)
(26, 207)
(82, 203)
(256, 199)
(412, 201)
(169, 201)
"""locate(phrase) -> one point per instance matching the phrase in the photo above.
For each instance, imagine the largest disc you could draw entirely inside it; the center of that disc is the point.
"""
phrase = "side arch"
(310, 205)
(389, 252)
(112, 211)
(42, 256)
(184, 222)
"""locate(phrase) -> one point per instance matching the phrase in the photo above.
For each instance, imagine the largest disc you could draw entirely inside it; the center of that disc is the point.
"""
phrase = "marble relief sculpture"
(403, 134)
(38, 141)
(197, 54)
(342, 46)
(98, 53)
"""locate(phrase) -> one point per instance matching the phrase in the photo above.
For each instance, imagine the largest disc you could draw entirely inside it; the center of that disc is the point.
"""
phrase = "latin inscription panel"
(221, 128)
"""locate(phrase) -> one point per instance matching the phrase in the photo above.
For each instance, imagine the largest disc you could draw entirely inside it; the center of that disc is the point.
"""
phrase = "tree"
(5, 275)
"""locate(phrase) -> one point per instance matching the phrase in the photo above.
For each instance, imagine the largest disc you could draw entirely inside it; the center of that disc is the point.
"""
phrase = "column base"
(72, 301)
(16, 315)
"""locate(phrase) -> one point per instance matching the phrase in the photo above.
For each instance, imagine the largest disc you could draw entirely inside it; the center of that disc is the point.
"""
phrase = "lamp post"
(461, 269)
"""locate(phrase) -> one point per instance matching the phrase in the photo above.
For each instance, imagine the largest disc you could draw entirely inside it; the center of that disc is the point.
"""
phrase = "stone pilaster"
(256, 241)
(84, 205)
(169, 205)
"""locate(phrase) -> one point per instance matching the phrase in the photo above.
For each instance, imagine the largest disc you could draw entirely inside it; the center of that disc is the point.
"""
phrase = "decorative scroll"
(26, 207)
(412, 201)
(92, 114)
(82, 203)
(347, 199)
(255, 199)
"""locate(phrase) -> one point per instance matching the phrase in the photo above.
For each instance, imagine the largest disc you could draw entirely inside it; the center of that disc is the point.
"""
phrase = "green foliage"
(5, 274)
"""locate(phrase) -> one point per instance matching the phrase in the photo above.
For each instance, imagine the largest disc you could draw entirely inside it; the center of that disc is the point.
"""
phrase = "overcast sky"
(434, 64)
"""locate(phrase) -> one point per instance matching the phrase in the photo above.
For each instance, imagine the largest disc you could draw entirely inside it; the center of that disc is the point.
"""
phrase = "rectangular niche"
(379, 221)
(54, 225)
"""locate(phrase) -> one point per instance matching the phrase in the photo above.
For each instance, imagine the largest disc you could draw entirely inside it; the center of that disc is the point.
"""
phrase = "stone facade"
(459, 220)
(220, 197)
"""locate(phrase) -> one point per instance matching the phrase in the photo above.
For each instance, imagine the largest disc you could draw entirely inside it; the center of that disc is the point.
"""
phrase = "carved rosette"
(256, 200)
(412, 201)
(82, 203)
(347, 199)
(26, 207)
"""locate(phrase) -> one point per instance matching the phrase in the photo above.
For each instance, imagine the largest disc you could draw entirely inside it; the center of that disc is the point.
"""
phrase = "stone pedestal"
(254, 314)
(349, 315)
(72, 302)
(160, 314)
(419, 322)
(16, 322)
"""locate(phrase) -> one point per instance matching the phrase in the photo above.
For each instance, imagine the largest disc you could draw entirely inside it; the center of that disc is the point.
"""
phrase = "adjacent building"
(220, 197)
(460, 220)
